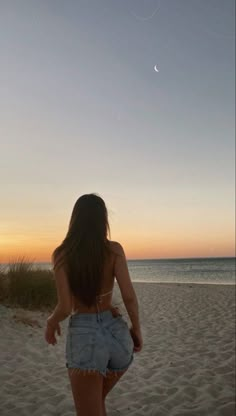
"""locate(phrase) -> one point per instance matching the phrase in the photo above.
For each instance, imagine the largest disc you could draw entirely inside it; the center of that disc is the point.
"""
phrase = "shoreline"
(184, 283)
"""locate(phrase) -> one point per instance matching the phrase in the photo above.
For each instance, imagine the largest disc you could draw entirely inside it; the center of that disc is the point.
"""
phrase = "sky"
(82, 110)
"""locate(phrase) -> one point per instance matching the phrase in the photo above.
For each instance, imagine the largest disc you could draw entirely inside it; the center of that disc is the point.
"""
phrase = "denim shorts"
(98, 341)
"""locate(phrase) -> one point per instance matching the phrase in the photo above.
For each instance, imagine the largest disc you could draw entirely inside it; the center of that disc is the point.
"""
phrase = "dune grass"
(2, 284)
(24, 285)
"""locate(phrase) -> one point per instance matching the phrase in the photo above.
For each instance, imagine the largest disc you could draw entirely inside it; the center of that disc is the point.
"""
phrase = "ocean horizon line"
(19, 260)
(183, 258)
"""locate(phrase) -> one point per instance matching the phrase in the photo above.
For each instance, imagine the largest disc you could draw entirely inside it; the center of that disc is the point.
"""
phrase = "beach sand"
(186, 368)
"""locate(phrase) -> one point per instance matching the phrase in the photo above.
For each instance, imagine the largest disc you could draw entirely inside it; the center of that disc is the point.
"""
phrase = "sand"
(186, 368)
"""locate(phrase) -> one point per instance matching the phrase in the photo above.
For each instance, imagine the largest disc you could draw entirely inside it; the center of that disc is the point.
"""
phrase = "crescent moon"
(156, 69)
(150, 16)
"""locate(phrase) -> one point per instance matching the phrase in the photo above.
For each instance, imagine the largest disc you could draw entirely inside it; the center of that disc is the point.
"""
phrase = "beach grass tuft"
(27, 286)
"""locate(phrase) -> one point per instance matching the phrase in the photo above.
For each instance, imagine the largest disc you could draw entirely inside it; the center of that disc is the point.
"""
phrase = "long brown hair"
(85, 248)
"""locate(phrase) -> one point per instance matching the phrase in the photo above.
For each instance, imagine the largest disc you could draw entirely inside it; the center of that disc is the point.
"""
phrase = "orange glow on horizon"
(144, 249)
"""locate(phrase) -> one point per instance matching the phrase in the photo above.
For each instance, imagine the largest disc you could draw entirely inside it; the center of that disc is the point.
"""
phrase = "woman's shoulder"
(57, 258)
(116, 247)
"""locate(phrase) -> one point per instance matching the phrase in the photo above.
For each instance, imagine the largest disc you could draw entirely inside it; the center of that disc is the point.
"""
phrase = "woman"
(99, 346)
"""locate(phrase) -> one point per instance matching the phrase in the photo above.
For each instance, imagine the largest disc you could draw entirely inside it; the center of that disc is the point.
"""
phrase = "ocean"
(197, 270)
(204, 270)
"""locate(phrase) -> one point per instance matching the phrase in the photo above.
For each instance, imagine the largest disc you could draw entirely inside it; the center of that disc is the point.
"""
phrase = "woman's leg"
(108, 383)
(87, 388)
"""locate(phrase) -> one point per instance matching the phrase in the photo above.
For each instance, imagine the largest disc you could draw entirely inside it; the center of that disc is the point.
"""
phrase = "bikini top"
(103, 294)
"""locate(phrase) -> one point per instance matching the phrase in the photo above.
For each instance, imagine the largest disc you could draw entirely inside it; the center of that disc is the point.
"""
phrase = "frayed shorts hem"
(86, 371)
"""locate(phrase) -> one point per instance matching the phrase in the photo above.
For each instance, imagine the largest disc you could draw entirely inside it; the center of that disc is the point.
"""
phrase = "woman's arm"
(64, 298)
(126, 287)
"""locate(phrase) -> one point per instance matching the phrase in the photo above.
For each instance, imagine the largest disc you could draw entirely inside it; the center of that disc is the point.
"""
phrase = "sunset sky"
(82, 110)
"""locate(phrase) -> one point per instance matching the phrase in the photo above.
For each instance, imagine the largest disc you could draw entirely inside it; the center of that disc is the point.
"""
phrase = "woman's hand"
(115, 311)
(137, 339)
(50, 332)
